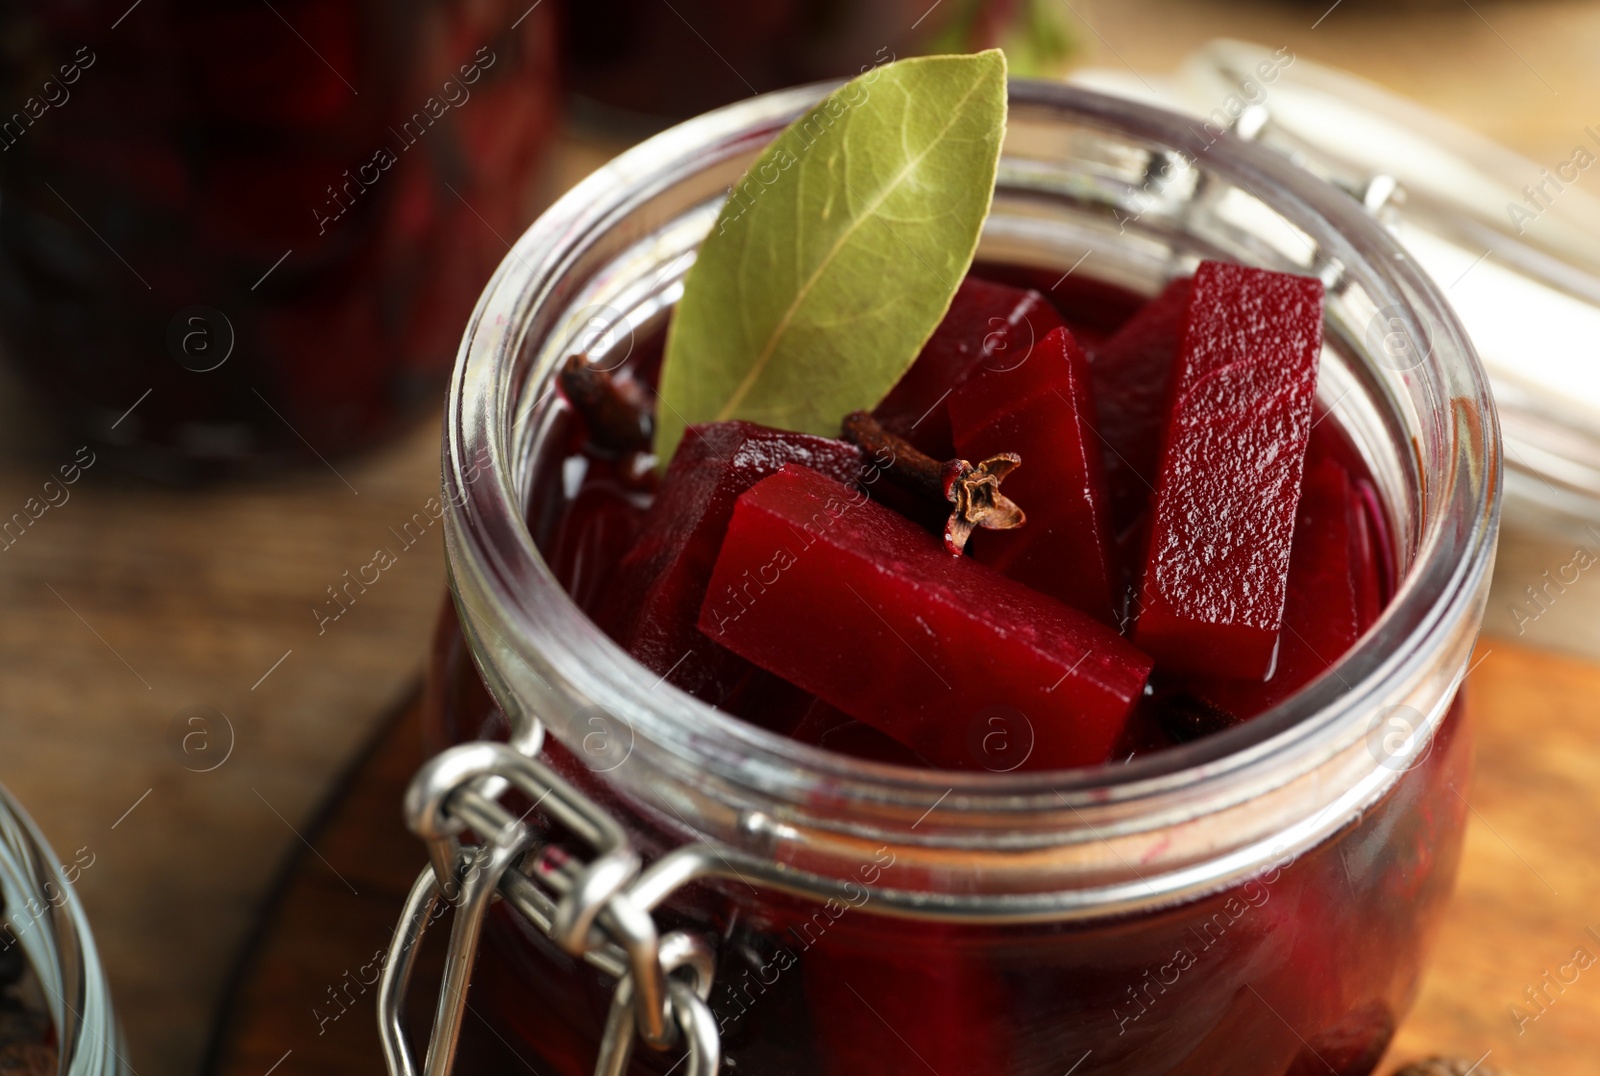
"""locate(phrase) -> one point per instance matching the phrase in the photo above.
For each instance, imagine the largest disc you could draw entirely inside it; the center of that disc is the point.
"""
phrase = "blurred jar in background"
(236, 234)
(640, 64)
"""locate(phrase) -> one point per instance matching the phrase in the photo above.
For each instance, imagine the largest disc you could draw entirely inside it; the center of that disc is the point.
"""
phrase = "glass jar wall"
(1258, 901)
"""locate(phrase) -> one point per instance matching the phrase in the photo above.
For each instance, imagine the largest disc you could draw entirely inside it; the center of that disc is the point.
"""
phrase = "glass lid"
(1515, 246)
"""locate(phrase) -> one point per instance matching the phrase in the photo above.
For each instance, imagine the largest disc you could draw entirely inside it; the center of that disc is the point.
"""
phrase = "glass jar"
(1256, 902)
(44, 919)
(243, 235)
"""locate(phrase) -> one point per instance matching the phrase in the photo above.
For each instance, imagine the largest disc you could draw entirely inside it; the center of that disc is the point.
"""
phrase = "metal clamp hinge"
(587, 893)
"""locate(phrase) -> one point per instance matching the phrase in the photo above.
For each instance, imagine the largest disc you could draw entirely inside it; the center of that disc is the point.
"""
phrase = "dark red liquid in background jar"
(644, 62)
(264, 224)
(1303, 968)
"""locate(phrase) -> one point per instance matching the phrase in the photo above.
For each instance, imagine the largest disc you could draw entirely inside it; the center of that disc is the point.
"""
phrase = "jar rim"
(518, 615)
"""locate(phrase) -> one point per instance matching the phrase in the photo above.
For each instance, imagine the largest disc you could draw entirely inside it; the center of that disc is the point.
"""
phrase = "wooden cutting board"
(1523, 905)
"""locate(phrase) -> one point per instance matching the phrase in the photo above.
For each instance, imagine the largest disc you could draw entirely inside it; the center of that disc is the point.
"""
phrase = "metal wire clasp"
(579, 891)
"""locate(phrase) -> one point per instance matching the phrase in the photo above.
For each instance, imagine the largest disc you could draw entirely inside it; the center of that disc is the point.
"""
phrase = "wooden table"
(1526, 898)
(130, 604)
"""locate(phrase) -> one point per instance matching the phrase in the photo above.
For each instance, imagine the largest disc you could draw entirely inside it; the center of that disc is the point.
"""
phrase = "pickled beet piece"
(858, 605)
(1320, 618)
(1092, 309)
(1324, 573)
(1131, 373)
(598, 528)
(1042, 410)
(1222, 523)
(655, 598)
(987, 325)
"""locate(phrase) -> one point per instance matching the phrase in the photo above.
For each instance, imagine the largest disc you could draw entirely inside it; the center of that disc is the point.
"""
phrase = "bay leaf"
(838, 252)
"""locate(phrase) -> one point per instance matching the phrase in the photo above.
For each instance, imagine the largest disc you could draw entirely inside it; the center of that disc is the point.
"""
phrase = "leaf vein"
(759, 366)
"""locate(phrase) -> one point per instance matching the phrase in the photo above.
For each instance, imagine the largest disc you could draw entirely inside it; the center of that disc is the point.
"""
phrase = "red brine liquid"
(1303, 967)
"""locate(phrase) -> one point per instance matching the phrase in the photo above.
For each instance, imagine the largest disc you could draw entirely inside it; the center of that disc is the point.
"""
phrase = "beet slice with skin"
(1222, 524)
(655, 599)
(1042, 410)
(856, 604)
(1132, 374)
(987, 325)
